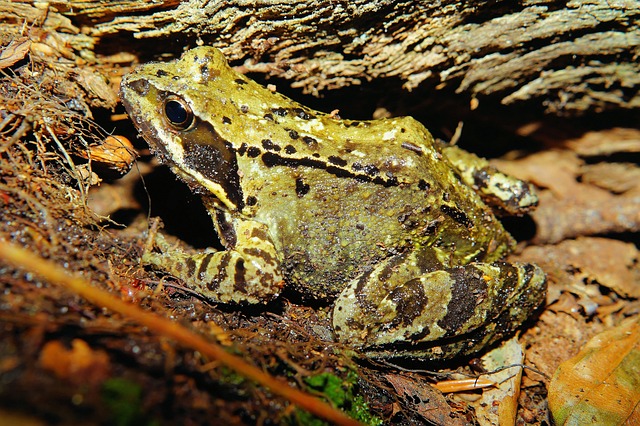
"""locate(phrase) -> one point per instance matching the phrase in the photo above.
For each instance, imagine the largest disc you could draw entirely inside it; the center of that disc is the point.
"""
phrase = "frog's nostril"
(140, 86)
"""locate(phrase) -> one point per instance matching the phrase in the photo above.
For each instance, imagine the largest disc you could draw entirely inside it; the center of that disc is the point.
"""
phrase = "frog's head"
(179, 108)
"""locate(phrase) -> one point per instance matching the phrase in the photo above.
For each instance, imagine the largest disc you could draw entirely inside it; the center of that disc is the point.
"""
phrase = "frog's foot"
(504, 193)
(248, 273)
(459, 310)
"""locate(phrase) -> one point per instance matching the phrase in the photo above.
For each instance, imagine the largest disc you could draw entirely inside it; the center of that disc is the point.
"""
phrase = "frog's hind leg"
(505, 193)
(459, 309)
(249, 272)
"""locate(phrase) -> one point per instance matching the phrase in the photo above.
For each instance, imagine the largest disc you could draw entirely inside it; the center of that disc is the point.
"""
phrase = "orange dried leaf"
(115, 153)
(77, 364)
(600, 385)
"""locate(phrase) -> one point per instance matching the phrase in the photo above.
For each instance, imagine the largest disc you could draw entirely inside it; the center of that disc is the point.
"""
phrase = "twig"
(55, 274)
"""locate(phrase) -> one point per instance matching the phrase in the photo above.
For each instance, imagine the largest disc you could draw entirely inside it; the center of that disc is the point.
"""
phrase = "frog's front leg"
(248, 272)
(459, 309)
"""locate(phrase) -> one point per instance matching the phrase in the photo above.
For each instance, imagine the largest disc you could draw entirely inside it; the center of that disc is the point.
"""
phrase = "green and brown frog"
(391, 226)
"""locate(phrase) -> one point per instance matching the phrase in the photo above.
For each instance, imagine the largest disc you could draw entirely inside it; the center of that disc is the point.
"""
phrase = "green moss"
(124, 401)
(340, 392)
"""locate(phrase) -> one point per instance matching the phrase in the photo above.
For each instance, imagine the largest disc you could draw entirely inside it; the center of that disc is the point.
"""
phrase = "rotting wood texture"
(570, 56)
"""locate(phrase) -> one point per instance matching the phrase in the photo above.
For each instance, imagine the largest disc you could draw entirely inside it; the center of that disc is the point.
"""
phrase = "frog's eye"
(178, 113)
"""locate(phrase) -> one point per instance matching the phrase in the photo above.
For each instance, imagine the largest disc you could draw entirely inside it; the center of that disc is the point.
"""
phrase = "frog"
(397, 233)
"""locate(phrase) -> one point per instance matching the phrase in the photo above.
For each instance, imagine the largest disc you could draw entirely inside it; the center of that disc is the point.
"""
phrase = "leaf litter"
(51, 336)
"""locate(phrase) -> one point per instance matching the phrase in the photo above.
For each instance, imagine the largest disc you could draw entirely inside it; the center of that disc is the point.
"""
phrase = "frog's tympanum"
(376, 217)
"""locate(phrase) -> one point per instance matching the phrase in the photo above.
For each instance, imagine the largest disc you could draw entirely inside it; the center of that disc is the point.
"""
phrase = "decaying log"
(569, 57)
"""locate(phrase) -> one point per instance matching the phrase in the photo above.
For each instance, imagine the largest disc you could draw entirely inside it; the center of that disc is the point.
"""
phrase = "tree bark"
(570, 57)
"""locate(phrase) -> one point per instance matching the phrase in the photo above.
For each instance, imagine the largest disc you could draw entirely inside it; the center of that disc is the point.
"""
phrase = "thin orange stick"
(57, 275)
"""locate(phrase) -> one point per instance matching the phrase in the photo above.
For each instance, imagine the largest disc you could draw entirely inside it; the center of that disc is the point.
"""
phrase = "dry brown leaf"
(611, 263)
(615, 177)
(498, 405)
(556, 170)
(600, 385)
(15, 51)
(593, 199)
(92, 80)
(425, 400)
(586, 209)
(606, 142)
(557, 336)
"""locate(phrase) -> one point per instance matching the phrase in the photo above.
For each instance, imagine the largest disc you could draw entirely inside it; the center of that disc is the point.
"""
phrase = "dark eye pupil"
(176, 113)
